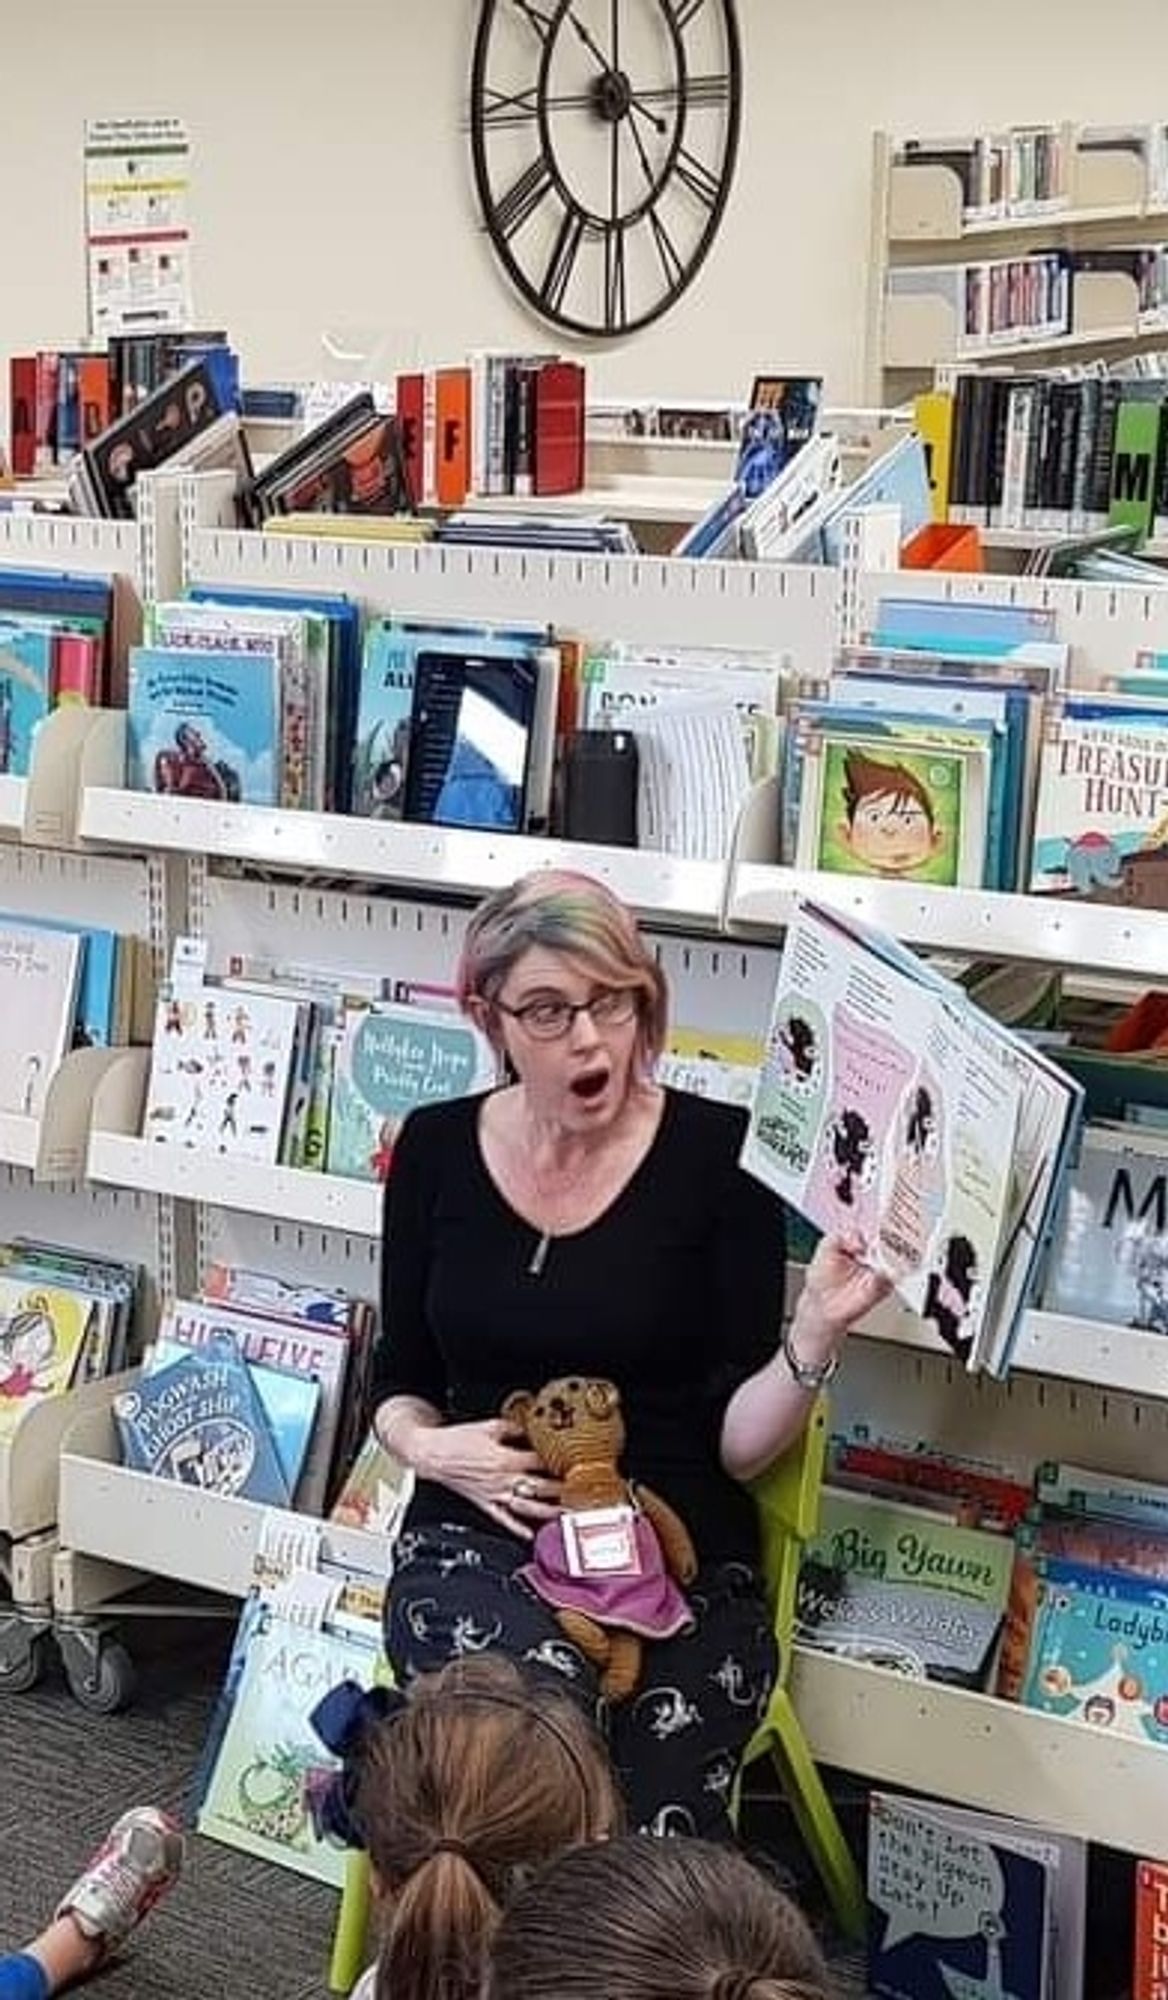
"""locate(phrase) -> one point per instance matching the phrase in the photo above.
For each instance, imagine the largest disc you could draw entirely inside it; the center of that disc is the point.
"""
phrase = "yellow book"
(42, 1330)
(933, 416)
(352, 527)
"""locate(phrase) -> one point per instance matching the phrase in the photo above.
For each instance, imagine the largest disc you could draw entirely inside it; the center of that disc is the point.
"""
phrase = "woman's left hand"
(838, 1291)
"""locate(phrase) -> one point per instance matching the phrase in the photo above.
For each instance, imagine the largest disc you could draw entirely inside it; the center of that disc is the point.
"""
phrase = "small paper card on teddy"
(601, 1541)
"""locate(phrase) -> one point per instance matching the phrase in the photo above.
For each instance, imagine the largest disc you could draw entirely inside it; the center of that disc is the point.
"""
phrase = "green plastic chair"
(788, 1501)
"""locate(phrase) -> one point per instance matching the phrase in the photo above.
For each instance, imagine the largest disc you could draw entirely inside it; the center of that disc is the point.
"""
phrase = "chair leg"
(348, 1954)
(816, 1816)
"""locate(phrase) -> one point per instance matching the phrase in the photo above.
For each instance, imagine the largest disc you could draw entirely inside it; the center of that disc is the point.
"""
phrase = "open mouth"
(589, 1085)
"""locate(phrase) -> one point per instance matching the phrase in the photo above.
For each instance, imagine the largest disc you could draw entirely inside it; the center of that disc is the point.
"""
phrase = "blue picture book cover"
(290, 1403)
(389, 1060)
(937, 625)
(204, 726)
(1099, 1649)
(201, 1422)
(26, 669)
(955, 1911)
(97, 993)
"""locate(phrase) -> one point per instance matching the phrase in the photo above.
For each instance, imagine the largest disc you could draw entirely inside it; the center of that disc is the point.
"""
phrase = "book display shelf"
(919, 223)
(396, 897)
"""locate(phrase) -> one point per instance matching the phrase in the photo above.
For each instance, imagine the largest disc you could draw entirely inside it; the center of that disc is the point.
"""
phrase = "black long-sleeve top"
(674, 1293)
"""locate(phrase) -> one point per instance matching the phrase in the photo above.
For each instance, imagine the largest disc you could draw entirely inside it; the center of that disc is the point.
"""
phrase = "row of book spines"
(496, 426)
(61, 399)
(1040, 453)
(1029, 168)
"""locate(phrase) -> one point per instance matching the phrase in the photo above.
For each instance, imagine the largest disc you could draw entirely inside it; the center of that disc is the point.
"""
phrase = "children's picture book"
(40, 971)
(26, 673)
(1150, 1967)
(201, 1421)
(376, 1490)
(391, 1059)
(204, 726)
(43, 1331)
(1101, 818)
(873, 803)
(221, 1066)
(1109, 1255)
(905, 1585)
(964, 1905)
(289, 1403)
(885, 1109)
(1099, 1649)
(263, 1746)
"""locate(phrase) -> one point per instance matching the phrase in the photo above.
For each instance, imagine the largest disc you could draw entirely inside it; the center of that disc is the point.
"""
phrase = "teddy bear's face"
(573, 1421)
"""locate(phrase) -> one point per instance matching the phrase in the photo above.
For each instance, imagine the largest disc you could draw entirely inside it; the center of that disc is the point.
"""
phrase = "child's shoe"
(137, 1862)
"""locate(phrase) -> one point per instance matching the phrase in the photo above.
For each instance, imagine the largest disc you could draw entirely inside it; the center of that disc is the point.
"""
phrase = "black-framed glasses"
(548, 1016)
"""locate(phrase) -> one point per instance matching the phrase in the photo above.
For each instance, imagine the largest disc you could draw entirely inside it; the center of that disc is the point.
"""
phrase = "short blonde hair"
(577, 917)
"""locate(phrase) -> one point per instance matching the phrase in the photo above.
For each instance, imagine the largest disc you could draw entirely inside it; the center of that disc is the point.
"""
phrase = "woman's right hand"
(484, 1463)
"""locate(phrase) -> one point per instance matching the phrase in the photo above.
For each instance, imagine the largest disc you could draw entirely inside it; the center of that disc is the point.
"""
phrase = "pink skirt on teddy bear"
(650, 1604)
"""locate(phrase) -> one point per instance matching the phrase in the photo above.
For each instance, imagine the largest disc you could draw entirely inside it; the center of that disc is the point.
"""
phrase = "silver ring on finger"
(521, 1490)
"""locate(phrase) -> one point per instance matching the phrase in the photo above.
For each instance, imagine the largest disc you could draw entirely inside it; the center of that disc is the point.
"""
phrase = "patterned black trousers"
(677, 1742)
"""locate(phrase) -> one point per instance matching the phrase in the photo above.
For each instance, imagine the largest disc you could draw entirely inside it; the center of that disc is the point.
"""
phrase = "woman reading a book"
(583, 1221)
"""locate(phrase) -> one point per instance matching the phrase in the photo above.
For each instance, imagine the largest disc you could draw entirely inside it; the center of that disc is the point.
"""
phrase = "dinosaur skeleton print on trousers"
(677, 1742)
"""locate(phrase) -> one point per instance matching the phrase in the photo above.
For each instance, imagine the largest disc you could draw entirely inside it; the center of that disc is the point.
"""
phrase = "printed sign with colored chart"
(389, 1061)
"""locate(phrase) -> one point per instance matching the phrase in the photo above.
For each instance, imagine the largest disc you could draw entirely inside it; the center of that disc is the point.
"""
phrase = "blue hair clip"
(343, 1720)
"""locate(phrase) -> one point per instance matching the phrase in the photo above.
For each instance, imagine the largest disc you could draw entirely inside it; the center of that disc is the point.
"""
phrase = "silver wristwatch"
(809, 1375)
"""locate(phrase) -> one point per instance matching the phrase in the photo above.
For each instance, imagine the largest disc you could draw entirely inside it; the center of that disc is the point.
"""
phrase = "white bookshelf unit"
(359, 895)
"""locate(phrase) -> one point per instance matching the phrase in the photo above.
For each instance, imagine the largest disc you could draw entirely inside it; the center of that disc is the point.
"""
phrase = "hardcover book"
(1150, 1973)
(1109, 1256)
(391, 1059)
(289, 1402)
(263, 1746)
(964, 1905)
(26, 676)
(204, 726)
(39, 974)
(1099, 1649)
(201, 1422)
(43, 1330)
(220, 1072)
(1101, 820)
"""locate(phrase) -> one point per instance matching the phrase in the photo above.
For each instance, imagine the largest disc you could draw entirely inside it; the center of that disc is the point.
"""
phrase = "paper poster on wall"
(137, 235)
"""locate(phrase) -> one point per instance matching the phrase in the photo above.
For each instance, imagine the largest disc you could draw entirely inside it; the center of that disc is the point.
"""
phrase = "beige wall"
(332, 185)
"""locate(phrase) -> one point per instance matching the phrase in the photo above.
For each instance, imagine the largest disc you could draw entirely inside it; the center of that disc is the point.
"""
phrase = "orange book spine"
(93, 392)
(452, 435)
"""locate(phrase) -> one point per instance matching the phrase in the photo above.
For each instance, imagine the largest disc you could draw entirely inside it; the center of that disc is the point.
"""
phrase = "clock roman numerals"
(685, 11)
(535, 17)
(562, 261)
(694, 174)
(524, 196)
(515, 107)
(616, 285)
(667, 251)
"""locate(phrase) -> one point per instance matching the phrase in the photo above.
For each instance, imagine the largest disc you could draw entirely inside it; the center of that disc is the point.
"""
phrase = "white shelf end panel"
(953, 1744)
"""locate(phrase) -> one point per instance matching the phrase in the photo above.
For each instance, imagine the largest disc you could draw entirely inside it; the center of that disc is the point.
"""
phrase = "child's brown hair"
(484, 1775)
(868, 778)
(655, 1920)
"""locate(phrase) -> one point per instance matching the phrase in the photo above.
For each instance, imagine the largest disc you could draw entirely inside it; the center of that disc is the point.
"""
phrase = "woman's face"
(580, 1079)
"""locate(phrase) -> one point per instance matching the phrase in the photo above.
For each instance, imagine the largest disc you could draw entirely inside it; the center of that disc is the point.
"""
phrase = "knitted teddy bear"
(626, 1588)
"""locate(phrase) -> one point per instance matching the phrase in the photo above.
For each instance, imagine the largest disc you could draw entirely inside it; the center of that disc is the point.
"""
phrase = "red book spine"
(22, 405)
(1150, 1977)
(559, 427)
(410, 410)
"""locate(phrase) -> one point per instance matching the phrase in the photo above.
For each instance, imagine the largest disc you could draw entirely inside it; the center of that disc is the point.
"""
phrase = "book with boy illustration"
(204, 725)
(389, 1059)
(890, 1109)
(966, 1905)
(1101, 819)
(897, 797)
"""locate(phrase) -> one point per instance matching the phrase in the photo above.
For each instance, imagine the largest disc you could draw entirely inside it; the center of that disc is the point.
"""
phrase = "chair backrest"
(787, 1496)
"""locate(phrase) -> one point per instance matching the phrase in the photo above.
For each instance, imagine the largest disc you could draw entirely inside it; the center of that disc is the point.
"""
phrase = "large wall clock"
(604, 135)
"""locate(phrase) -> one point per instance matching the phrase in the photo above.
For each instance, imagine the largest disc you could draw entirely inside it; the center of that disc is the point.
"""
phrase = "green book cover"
(911, 1547)
(1134, 464)
(254, 1797)
(390, 1059)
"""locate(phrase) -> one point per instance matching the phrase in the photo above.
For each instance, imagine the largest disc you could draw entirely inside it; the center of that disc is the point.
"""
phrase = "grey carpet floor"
(234, 1928)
